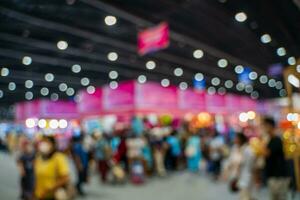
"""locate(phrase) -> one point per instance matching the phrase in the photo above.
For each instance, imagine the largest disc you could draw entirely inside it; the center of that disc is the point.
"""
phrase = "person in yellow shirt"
(51, 170)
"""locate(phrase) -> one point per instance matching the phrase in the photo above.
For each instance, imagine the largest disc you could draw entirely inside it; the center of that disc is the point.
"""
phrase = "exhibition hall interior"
(150, 99)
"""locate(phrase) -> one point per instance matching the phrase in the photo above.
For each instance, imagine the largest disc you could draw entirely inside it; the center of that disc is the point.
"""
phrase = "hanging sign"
(153, 39)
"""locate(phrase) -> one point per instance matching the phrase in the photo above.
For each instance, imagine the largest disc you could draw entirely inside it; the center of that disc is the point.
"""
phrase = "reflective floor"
(179, 186)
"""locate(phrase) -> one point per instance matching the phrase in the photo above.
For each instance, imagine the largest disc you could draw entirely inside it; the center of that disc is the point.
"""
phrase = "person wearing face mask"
(25, 165)
(51, 170)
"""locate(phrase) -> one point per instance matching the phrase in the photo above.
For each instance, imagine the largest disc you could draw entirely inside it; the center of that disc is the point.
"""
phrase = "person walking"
(52, 172)
(276, 165)
(81, 160)
(25, 164)
(103, 154)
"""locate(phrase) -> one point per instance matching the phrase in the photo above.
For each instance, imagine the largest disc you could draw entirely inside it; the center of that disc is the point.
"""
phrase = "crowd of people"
(137, 152)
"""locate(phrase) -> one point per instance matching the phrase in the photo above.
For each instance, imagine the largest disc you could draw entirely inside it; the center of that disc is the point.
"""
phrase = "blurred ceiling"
(33, 28)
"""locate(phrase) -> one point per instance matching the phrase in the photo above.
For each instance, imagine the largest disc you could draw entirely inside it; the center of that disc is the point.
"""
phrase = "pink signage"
(120, 98)
(154, 96)
(216, 103)
(153, 39)
(32, 109)
(191, 100)
(233, 103)
(248, 104)
(58, 109)
(45, 109)
(20, 111)
(90, 104)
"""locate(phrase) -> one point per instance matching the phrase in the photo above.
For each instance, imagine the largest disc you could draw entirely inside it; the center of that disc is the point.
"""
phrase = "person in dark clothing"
(276, 165)
(25, 164)
(81, 160)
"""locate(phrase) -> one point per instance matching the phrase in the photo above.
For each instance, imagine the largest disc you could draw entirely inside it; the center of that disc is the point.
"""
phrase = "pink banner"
(58, 109)
(90, 104)
(20, 111)
(153, 39)
(154, 96)
(233, 103)
(120, 98)
(191, 100)
(32, 109)
(216, 103)
(45, 109)
(248, 104)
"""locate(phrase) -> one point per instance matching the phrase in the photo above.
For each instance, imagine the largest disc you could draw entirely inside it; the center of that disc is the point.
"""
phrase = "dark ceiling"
(33, 28)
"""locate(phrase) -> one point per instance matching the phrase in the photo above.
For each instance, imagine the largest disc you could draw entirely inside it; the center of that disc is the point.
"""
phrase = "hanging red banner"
(153, 39)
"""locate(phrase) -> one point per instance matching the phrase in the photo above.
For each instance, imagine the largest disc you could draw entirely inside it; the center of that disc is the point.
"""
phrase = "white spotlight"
(198, 53)
(241, 17)
(110, 20)
(62, 45)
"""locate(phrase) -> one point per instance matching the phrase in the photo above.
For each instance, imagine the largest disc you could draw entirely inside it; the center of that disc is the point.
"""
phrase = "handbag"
(233, 185)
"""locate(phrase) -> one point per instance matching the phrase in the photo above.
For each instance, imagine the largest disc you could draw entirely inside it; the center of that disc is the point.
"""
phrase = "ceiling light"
(240, 86)
(110, 20)
(12, 86)
(63, 87)
(85, 81)
(229, 84)
(263, 79)
(254, 95)
(142, 79)
(29, 84)
(76, 68)
(211, 90)
(26, 60)
(241, 17)
(198, 53)
(44, 91)
(183, 85)
(265, 38)
(292, 60)
(77, 98)
(239, 69)
(281, 51)
(249, 88)
(222, 63)
(54, 97)
(113, 75)
(215, 81)
(28, 95)
(70, 91)
(49, 77)
(113, 85)
(221, 91)
(4, 71)
(294, 80)
(279, 85)
(62, 45)
(112, 56)
(165, 82)
(91, 89)
(178, 71)
(199, 77)
(272, 83)
(150, 64)
(282, 92)
(253, 75)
